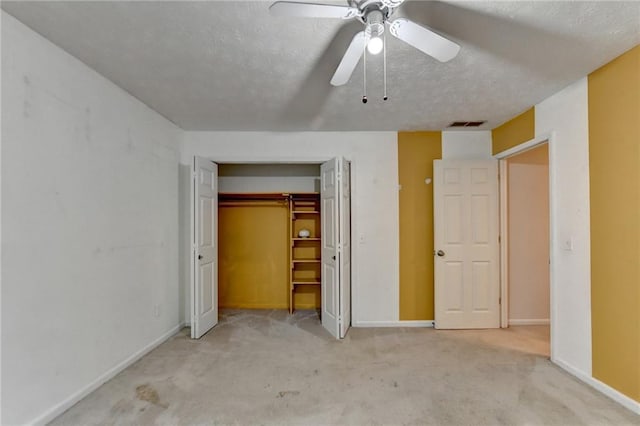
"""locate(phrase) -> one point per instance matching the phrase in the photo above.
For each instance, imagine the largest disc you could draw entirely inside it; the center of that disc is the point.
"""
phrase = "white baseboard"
(617, 396)
(63, 406)
(529, 321)
(427, 323)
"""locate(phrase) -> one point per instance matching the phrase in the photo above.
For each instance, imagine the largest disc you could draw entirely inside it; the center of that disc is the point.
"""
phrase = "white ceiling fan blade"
(349, 60)
(312, 10)
(424, 39)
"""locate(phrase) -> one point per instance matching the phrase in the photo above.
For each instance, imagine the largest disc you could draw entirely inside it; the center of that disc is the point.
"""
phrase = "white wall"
(469, 144)
(566, 114)
(89, 220)
(374, 157)
(268, 178)
(528, 235)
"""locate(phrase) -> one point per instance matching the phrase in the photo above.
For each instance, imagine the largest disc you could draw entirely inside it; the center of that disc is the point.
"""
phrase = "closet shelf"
(304, 253)
(306, 282)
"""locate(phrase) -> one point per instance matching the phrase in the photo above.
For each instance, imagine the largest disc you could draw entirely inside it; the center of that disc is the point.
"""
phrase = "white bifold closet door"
(204, 244)
(467, 283)
(335, 198)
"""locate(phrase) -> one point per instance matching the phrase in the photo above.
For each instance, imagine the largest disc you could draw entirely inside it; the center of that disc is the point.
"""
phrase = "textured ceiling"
(231, 66)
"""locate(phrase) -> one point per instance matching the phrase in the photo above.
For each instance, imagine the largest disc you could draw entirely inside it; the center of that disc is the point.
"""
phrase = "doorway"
(525, 251)
(256, 226)
(333, 182)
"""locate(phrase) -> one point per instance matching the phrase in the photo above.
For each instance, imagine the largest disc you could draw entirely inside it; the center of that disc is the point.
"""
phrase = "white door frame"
(502, 157)
(295, 160)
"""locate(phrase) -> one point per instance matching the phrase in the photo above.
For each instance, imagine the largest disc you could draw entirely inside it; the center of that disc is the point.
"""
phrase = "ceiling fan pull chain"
(364, 67)
(384, 64)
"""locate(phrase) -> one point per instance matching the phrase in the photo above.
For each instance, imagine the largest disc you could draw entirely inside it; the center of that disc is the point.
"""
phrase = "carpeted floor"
(265, 367)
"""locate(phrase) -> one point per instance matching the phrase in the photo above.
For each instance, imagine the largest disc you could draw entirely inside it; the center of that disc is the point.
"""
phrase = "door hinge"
(499, 300)
(499, 239)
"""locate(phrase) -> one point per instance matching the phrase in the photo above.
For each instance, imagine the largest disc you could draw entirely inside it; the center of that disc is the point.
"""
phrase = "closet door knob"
(440, 253)
(333, 257)
(199, 257)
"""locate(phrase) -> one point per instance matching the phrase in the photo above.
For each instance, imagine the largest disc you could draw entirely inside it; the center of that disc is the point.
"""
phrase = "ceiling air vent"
(467, 123)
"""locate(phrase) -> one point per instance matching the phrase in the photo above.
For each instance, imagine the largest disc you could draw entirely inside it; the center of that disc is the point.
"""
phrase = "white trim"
(553, 232)
(525, 146)
(529, 321)
(74, 398)
(504, 243)
(192, 244)
(607, 390)
(550, 140)
(249, 159)
(366, 324)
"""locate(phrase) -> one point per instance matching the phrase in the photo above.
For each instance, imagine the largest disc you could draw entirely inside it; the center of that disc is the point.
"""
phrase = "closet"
(268, 240)
(271, 236)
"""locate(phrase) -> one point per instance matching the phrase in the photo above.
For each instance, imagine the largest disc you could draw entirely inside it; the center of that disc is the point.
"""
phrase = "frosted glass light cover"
(375, 45)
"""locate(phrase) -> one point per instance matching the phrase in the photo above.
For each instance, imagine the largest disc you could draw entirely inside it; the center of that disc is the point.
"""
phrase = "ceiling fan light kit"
(374, 14)
(373, 31)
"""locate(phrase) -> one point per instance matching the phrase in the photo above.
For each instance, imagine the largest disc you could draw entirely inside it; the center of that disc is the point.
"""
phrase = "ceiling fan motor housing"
(375, 23)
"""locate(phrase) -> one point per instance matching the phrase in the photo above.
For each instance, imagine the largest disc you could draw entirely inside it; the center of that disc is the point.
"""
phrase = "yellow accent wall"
(514, 132)
(614, 168)
(416, 152)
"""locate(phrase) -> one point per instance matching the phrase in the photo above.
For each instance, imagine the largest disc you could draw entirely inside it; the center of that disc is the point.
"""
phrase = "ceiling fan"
(374, 14)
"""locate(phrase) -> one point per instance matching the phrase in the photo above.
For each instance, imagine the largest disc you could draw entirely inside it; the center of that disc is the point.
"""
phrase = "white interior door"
(344, 245)
(330, 277)
(204, 276)
(335, 209)
(467, 285)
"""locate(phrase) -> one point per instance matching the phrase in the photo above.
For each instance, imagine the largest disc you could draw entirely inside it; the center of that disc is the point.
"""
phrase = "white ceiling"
(231, 66)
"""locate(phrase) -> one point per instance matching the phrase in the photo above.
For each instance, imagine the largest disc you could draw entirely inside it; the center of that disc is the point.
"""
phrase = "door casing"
(550, 139)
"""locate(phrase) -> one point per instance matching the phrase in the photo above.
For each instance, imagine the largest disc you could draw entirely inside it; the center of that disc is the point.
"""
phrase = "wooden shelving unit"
(304, 253)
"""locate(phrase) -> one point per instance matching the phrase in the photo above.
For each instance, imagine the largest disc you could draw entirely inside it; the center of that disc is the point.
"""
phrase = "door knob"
(199, 256)
(440, 253)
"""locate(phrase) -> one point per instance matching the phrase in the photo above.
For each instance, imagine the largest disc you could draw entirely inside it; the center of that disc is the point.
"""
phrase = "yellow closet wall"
(253, 253)
(514, 132)
(614, 169)
(253, 241)
(416, 152)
